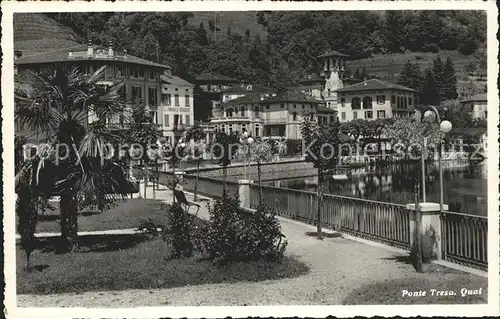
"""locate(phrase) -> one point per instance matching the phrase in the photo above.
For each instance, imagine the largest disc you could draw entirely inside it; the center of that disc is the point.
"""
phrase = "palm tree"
(60, 101)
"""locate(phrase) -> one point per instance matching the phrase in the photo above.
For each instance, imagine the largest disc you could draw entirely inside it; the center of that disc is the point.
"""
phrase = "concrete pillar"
(430, 229)
(244, 192)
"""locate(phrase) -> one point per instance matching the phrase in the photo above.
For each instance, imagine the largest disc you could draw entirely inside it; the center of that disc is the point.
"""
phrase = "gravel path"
(337, 267)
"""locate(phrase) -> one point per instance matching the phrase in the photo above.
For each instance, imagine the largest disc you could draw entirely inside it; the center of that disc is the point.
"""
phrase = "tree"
(261, 152)
(356, 129)
(429, 94)
(449, 81)
(195, 149)
(439, 76)
(411, 76)
(59, 100)
(321, 143)
(224, 147)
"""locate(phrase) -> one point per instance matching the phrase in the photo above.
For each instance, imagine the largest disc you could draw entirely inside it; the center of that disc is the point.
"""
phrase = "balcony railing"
(180, 127)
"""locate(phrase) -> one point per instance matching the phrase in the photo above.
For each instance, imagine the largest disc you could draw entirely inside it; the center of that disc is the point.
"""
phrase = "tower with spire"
(333, 63)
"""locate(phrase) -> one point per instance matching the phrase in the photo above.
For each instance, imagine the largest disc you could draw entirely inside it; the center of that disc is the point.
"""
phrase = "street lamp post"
(445, 127)
(247, 140)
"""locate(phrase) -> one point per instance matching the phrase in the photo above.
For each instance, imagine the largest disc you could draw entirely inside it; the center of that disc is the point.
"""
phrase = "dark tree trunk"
(320, 202)
(69, 220)
(260, 185)
(196, 183)
(224, 178)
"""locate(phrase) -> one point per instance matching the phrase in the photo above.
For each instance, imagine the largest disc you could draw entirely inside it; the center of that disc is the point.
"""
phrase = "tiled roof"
(332, 53)
(477, 98)
(246, 99)
(175, 80)
(292, 96)
(62, 55)
(249, 88)
(373, 84)
(209, 76)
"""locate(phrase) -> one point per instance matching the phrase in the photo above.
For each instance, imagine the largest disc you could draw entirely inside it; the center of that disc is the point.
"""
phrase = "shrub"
(179, 231)
(234, 235)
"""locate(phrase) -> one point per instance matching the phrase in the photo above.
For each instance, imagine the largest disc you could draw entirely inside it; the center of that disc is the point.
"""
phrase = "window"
(229, 112)
(332, 119)
(176, 99)
(367, 102)
(88, 69)
(166, 120)
(282, 105)
(398, 104)
(186, 100)
(187, 119)
(329, 93)
(405, 104)
(243, 127)
(356, 103)
(355, 115)
(369, 114)
(121, 70)
(343, 116)
(257, 130)
(141, 72)
(243, 111)
(256, 111)
(137, 93)
(230, 128)
(152, 96)
(410, 101)
(303, 106)
(295, 106)
(223, 128)
(380, 99)
(342, 101)
(123, 92)
(166, 99)
(393, 99)
(381, 114)
(152, 75)
(135, 72)
(267, 106)
(294, 116)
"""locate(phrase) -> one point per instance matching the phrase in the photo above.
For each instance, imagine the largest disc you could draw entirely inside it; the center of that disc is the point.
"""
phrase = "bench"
(181, 198)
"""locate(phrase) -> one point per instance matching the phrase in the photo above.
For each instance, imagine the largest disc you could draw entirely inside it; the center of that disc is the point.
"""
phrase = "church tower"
(333, 72)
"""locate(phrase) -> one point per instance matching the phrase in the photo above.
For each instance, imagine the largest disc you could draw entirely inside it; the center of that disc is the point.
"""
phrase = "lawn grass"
(127, 213)
(133, 262)
(390, 292)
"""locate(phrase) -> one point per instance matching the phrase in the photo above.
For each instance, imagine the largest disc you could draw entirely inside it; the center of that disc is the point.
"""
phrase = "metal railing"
(464, 239)
(206, 186)
(378, 221)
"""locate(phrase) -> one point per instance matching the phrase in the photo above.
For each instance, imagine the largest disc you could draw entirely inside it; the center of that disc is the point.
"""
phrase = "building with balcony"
(176, 108)
(141, 78)
(373, 99)
(477, 106)
(269, 115)
(237, 91)
(210, 88)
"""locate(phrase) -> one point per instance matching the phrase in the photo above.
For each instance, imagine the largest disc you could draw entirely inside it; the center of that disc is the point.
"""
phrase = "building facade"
(269, 115)
(141, 78)
(477, 106)
(176, 109)
(374, 99)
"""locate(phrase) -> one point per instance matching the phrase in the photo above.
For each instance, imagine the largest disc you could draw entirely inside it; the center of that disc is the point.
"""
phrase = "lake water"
(465, 185)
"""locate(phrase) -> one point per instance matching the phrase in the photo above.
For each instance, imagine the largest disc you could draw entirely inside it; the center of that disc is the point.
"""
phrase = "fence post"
(244, 192)
(430, 229)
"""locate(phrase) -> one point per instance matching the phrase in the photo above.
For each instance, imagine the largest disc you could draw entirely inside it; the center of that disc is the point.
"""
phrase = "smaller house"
(477, 106)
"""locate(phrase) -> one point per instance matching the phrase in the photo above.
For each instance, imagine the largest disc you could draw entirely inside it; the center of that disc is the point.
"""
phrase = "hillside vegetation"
(380, 42)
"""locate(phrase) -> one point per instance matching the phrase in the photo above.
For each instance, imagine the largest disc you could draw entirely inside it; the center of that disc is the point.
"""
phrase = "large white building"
(176, 109)
(374, 99)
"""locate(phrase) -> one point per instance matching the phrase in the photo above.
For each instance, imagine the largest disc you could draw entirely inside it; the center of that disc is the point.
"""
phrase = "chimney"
(110, 48)
(90, 48)
(18, 54)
